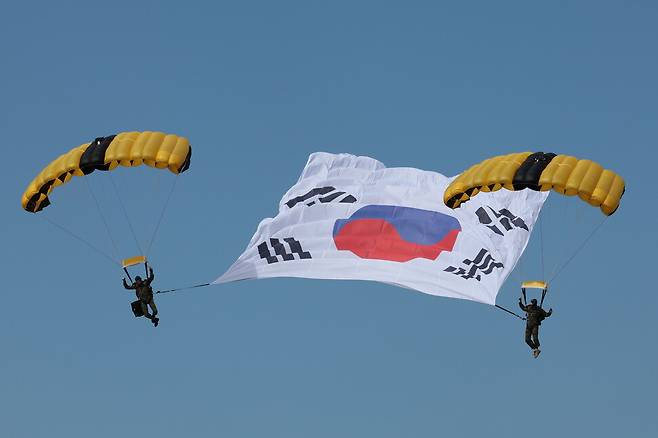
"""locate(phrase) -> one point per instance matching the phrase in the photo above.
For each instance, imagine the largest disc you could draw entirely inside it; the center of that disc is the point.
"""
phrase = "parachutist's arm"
(524, 308)
(127, 286)
(151, 276)
(549, 313)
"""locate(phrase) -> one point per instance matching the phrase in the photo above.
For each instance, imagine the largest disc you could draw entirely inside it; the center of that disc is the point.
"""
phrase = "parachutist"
(144, 294)
(534, 316)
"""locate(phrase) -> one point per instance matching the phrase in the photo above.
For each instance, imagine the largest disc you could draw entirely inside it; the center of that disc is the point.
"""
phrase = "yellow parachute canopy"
(564, 174)
(155, 149)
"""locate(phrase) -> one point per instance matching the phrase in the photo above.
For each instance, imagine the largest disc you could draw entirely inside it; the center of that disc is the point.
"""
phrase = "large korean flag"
(350, 217)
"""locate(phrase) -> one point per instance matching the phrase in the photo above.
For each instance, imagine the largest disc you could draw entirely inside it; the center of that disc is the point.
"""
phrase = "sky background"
(257, 87)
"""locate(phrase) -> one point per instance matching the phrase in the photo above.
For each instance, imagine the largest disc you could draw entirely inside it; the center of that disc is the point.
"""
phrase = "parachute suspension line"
(510, 312)
(562, 207)
(80, 239)
(164, 209)
(541, 244)
(125, 213)
(128, 274)
(182, 288)
(543, 295)
(519, 266)
(100, 212)
(582, 245)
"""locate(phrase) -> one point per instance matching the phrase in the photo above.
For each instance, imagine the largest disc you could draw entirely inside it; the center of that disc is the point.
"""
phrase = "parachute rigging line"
(182, 288)
(75, 236)
(100, 212)
(543, 295)
(125, 213)
(164, 209)
(510, 312)
(128, 274)
(541, 243)
(582, 245)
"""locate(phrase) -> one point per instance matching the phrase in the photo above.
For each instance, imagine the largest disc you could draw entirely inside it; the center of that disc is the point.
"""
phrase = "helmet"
(533, 301)
(138, 278)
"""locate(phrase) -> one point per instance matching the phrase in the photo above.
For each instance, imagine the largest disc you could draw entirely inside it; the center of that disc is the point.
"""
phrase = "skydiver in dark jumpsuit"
(534, 316)
(144, 293)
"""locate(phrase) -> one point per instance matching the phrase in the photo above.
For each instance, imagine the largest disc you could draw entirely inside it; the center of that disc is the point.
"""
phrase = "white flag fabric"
(351, 217)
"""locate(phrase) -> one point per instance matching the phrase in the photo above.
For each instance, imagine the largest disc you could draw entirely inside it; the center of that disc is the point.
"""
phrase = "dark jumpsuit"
(144, 293)
(535, 316)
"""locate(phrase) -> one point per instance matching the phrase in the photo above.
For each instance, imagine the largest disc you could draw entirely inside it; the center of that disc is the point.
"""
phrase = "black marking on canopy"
(44, 188)
(186, 163)
(32, 203)
(45, 203)
(529, 172)
(93, 158)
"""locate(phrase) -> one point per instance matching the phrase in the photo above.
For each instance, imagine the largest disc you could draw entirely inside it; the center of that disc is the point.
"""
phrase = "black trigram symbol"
(280, 250)
(322, 195)
(483, 264)
(505, 218)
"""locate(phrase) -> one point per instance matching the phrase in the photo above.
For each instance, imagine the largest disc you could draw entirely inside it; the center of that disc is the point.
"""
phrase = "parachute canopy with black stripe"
(129, 149)
(540, 171)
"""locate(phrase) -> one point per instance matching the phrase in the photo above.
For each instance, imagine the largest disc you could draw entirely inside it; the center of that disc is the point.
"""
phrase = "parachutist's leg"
(528, 338)
(535, 336)
(155, 318)
(145, 309)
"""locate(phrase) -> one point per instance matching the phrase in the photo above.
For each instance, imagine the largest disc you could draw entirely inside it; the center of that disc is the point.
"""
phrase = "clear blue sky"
(257, 86)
